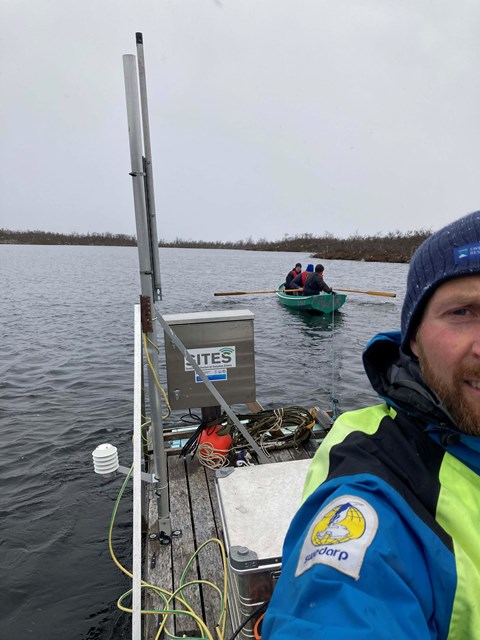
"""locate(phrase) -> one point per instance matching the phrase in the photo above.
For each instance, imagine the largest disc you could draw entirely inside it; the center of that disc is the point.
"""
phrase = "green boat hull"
(323, 303)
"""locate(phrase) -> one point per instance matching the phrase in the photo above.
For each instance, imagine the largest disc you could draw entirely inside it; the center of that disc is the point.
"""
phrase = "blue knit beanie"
(449, 253)
(310, 267)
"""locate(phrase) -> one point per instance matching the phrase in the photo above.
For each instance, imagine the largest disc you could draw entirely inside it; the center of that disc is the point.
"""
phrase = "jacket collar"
(397, 379)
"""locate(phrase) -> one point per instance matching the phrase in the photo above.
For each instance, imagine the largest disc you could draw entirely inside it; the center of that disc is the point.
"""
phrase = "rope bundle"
(271, 429)
(274, 428)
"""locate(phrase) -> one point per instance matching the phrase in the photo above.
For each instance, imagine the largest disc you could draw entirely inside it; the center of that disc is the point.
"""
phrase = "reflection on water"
(309, 322)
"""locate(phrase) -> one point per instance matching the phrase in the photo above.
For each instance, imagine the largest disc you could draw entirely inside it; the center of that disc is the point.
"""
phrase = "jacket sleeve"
(375, 584)
(326, 288)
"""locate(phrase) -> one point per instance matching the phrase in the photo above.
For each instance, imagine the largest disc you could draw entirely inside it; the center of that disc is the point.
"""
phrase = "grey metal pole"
(142, 78)
(146, 282)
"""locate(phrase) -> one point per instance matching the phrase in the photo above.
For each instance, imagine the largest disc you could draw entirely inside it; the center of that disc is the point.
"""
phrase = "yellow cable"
(153, 344)
(165, 613)
(112, 553)
(174, 597)
(223, 614)
(145, 438)
(222, 618)
(221, 624)
(147, 355)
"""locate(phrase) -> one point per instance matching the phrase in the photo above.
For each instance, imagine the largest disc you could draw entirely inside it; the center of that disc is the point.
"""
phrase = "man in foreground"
(386, 543)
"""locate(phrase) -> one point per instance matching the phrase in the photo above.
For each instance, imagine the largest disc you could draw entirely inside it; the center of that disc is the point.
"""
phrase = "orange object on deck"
(219, 444)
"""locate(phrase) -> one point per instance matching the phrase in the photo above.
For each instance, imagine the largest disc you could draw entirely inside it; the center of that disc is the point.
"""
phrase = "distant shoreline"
(391, 247)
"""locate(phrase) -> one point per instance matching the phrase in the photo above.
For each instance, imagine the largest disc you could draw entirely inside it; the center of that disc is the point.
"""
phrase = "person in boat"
(299, 281)
(386, 542)
(315, 284)
(292, 274)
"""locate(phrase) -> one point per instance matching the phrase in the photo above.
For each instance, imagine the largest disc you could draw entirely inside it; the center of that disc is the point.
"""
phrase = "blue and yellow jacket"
(386, 543)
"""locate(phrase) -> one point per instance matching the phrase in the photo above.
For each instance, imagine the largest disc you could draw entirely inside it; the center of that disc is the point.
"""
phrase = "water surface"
(66, 374)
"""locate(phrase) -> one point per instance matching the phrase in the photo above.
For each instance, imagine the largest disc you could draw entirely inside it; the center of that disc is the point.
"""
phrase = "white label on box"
(214, 376)
(213, 359)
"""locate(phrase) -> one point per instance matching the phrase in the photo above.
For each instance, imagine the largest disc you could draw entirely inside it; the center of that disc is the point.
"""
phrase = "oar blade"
(370, 293)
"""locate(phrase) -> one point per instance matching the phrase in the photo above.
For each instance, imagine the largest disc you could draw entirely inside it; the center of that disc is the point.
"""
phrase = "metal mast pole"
(147, 287)
(142, 78)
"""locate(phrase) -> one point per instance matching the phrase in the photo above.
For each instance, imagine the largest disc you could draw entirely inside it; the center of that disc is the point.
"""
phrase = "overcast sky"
(268, 117)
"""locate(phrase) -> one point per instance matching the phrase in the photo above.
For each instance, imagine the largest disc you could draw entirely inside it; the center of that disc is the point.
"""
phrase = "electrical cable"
(144, 430)
(223, 616)
(260, 609)
(165, 595)
(190, 447)
(152, 369)
(256, 632)
(195, 419)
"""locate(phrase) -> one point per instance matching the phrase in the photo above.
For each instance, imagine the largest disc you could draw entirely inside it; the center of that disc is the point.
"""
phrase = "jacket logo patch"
(340, 536)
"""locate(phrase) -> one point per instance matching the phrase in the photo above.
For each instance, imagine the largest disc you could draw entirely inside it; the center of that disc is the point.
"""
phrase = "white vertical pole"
(137, 480)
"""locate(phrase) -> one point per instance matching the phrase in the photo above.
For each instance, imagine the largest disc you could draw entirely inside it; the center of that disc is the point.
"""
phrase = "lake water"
(66, 374)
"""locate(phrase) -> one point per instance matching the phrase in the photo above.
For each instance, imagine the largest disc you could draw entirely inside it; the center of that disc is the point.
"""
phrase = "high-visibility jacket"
(386, 544)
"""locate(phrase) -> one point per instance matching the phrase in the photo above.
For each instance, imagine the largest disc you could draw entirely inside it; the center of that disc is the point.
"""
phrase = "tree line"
(395, 246)
(50, 237)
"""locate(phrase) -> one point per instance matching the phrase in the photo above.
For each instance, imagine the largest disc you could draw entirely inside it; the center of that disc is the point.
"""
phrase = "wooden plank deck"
(195, 512)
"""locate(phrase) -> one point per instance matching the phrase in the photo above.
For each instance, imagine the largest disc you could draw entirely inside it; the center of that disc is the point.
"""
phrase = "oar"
(370, 293)
(248, 293)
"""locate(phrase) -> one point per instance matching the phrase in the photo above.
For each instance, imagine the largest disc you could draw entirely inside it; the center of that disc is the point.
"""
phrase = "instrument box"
(257, 504)
(222, 344)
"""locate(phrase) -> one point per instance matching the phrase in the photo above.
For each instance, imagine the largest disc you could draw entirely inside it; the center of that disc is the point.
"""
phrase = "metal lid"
(208, 316)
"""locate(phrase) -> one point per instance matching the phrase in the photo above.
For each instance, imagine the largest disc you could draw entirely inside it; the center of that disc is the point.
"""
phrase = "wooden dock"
(196, 516)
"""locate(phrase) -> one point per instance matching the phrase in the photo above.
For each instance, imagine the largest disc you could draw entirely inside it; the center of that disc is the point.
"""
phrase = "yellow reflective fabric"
(457, 513)
(366, 420)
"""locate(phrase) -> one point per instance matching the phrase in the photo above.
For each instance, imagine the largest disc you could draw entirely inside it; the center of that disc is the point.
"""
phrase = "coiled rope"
(273, 428)
(211, 457)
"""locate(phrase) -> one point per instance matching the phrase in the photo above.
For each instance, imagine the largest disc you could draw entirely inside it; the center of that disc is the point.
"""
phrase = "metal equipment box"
(257, 504)
(222, 345)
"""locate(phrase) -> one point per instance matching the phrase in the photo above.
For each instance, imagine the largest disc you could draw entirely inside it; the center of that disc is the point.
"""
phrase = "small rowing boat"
(322, 303)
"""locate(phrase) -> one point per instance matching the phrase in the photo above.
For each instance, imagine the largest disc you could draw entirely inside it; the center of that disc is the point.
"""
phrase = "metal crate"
(257, 504)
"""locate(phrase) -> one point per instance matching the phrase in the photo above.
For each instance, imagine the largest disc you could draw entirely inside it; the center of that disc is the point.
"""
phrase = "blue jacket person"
(387, 541)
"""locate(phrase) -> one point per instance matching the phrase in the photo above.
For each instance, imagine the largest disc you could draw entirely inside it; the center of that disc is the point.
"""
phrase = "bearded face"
(464, 411)
(447, 344)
